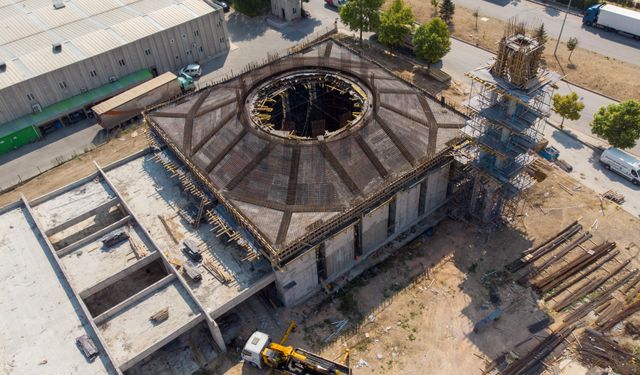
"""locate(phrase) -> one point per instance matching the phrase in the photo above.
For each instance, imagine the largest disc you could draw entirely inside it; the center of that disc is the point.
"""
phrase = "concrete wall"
(407, 207)
(298, 279)
(374, 228)
(436, 192)
(291, 9)
(197, 40)
(339, 252)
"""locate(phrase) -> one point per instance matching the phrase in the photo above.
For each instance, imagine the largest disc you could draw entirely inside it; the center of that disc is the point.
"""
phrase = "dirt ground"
(597, 72)
(122, 145)
(414, 313)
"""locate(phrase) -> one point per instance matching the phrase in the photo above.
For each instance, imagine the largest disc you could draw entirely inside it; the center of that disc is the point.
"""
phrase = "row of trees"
(431, 40)
(618, 123)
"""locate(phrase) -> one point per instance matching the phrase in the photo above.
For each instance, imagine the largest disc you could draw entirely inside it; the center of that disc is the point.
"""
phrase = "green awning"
(75, 103)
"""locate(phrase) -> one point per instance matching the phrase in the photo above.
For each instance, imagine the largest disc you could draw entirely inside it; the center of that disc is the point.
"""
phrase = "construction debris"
(115, 238)
(87, 347)
(614, 196)
(340, 326)
(597, 350)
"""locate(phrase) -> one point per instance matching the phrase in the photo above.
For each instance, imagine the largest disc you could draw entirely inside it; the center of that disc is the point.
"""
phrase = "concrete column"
(217, 334)
(473, 204)
(487, 208)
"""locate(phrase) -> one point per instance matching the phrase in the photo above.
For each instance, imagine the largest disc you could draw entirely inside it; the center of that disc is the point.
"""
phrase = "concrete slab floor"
(39, 323)
(94, 262)
(72, 203)
(149, 191)
(130, 332)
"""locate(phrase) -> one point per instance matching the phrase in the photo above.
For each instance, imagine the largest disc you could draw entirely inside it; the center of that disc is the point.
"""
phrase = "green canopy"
(75, 103)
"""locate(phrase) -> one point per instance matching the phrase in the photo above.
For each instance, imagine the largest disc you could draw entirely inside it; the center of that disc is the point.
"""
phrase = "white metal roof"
(85, 28)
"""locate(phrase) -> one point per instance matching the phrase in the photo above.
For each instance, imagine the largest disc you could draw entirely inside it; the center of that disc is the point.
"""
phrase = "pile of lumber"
(614, 196)
(160, 316)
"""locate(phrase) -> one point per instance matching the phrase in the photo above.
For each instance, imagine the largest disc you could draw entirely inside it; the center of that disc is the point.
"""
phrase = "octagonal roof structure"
(292, 165)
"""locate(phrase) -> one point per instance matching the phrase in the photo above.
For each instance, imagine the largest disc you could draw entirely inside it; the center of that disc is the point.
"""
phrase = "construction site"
(402, 235)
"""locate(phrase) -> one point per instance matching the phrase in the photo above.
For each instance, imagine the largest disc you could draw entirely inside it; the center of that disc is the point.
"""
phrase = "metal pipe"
(562, 27)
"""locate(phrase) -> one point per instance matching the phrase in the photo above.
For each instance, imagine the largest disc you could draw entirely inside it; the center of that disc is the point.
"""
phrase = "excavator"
(261, 352)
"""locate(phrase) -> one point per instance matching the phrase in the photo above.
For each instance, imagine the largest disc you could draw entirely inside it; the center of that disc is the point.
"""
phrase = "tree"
(572, 43)
(618, 123)
(567, 106)
(395, 23)
(541, 35)
(447, 8)
(434, 5)
(431, 41)
(361, 15)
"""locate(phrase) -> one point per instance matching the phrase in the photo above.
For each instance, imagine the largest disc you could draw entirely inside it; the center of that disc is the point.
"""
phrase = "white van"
(620, 162)
(192, 70)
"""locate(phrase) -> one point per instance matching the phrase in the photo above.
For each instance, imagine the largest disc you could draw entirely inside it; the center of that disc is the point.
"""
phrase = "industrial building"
(61, 57)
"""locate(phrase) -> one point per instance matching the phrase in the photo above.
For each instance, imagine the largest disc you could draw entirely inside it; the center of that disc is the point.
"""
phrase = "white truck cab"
(252, 351)
(621, 163)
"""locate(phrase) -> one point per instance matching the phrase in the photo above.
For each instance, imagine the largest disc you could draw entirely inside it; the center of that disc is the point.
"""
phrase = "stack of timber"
(160, 316)
(531, 255)
(223, 229)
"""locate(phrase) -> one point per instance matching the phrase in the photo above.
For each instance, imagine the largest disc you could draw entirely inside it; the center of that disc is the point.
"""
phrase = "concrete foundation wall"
(374, 228)
(339, 252)
(407, 203)
(437, 187)
(298, 279)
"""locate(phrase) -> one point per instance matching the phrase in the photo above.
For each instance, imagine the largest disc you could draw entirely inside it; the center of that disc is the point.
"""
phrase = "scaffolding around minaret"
(509, 101)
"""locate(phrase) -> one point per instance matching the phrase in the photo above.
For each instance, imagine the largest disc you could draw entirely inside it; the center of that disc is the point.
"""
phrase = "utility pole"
(562, 28)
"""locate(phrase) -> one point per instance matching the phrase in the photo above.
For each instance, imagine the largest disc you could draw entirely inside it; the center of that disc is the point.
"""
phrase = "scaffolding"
(508, 104)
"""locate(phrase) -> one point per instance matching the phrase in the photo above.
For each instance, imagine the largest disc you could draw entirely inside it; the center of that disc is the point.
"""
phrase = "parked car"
(622, 163)
(192, 70)
(223, 5)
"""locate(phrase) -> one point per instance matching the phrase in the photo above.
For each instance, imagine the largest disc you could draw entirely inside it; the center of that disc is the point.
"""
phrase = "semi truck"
(611, 17)
(129, 104)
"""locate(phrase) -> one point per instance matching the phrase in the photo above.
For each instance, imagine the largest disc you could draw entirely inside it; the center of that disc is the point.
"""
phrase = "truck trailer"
(613, 18)
(129, 104)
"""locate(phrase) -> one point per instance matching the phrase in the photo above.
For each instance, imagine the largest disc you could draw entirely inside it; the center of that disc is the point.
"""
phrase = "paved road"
(62, 145)
(604, 42)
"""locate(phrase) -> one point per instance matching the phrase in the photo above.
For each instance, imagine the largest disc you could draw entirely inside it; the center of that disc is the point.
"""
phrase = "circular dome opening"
(308, 104)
